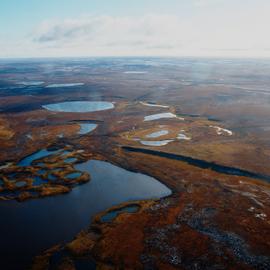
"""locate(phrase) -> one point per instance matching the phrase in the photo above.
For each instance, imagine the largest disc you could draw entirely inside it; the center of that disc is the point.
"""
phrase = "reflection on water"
(79, 106)
(56, 219)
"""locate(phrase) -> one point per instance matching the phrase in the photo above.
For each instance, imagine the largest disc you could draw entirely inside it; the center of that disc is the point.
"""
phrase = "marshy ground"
(198, 126)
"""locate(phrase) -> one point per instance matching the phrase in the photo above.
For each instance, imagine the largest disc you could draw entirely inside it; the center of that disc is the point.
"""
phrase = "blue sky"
(41, 28)
(17, 15)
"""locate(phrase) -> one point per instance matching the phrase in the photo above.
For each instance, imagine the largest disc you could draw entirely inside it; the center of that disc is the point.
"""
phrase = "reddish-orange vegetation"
(212, 220)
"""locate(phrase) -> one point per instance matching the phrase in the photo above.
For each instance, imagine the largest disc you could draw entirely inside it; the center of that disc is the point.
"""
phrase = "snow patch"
(222, 131)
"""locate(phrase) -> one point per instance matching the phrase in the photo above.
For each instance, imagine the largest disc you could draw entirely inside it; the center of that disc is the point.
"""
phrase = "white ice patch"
(156, 143)
(29, 136)
(182, 136)
(261, 216)
(153, 105)
(222, 131)
(56, 85)
(5, 165)
(159, 116)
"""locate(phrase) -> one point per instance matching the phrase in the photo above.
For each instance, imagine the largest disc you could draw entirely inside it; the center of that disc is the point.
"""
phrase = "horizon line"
(133, 56)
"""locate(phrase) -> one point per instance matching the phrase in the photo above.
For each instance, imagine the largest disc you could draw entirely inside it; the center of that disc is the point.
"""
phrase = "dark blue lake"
(32, 226)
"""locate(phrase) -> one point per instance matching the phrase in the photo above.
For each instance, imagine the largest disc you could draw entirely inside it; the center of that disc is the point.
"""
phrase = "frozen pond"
(79, 106)
(56, 85)
(38, 224)
(156, 143)
(157, 134)
(86, 128)
(159, 116)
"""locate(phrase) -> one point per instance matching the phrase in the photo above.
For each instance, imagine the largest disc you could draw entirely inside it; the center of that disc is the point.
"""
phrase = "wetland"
(139, 163)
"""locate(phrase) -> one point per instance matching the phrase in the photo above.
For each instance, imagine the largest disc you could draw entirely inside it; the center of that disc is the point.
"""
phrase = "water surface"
(56, 85)
(32, 226)
(135, 72)
(79, 106)
(86, 128)
(111, 215)
(157, 134)
(201, 163)
(31, 83)
(37, 155)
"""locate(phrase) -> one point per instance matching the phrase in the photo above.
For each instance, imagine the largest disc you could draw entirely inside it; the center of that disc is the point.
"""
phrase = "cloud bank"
(112, 35)
(232, 34)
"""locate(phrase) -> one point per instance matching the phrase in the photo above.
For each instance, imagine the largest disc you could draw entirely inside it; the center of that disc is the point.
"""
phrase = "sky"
(91, 28)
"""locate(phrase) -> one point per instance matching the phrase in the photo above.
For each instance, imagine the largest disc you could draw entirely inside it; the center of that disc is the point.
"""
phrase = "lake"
(32, 226)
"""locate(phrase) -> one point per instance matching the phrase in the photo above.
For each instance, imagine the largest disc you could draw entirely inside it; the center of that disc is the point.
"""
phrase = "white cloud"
(235, 33)
(110, 34)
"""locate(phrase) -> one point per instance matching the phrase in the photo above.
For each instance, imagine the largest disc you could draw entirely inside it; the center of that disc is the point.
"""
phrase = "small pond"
(79, 106)
(157, 134)
(86, 128)
(111, 215)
